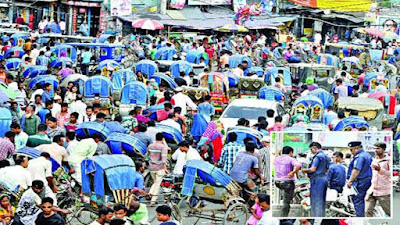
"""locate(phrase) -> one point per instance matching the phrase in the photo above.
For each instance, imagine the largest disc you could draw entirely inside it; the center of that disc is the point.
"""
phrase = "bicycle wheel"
(176, 214)
(82, 216)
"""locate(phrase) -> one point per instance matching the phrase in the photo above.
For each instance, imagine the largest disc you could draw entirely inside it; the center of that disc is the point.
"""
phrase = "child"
(6, 210)
(256, 214)
(120, 213)
(164, 215)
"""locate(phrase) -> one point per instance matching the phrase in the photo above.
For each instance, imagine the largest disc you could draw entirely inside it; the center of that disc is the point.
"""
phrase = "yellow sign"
(345, 5)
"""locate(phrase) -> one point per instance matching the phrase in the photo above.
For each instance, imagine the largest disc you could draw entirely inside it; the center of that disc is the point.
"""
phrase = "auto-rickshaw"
(328, 60)
(389, 103)
(218, 85)
(325, 96)
(352, 122)
(132, 94)
(320, 73)
(283, 73)
(249, 87)
(147, 67)
(204, 182)
(272, 93)
(371, 79)
(126, 144)
(114, 52)
(97, 90)
(370, 109)
(309, 106)
(353, 66)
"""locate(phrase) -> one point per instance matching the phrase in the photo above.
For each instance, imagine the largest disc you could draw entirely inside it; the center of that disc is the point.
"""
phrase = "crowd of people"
(46, 118)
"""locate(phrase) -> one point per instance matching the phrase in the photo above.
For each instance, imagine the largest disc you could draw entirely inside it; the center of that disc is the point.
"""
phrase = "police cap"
(354, 144)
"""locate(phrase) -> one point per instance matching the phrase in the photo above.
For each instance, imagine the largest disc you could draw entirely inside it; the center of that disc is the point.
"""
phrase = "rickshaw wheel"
(176, 214)
(85, 216)
(236, 213)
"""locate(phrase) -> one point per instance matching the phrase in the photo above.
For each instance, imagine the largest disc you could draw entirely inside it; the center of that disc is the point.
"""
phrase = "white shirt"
(182, 157)
(42, 25)
(40, 169)
(36, 92)
(86, 118)
(34, 54)
(95, 223)
(62, 25)
(56, 108)
(13, 86)
(71, 145)
(79, 107)
(267, 219)
(182, 100)
(18, 174)
(171, 123)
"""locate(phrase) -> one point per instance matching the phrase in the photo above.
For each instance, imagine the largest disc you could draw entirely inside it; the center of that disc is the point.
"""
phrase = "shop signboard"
(121, 8)
(209, 2)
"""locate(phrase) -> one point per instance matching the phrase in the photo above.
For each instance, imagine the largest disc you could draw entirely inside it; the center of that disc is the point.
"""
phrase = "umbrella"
(8, 92)
(360, 30)
(3, 97)
(374, 32)
(147, 24)
(233, 28)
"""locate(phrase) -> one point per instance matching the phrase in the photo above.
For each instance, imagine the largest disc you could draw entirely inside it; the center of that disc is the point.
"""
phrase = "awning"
(4, 5)
(346, 17)
(175, 15)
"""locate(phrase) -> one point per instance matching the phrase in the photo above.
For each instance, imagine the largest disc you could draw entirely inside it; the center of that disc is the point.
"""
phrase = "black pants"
(288, 192)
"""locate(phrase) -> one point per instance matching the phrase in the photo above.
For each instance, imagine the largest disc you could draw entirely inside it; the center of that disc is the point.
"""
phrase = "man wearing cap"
(183, 100)
(381, 182)
(317, 171)
(359, 176)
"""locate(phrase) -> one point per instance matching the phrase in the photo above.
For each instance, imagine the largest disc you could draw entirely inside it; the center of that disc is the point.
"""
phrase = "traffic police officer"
(317, 171)
(359, 176)
(337, 173)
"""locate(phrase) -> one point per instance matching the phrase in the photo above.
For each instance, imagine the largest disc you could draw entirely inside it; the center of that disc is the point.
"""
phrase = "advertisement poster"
(121, 8)
(177, 4)
(209, 2)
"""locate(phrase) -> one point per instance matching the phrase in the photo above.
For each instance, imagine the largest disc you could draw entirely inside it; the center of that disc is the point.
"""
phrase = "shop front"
(81, 11)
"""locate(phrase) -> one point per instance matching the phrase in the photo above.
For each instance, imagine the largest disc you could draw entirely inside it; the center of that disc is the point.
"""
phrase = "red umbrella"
(374, 32)
(147, 24)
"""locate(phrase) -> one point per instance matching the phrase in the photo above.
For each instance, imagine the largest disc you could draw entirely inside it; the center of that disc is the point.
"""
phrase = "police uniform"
(336, 177)
(361, 161)
(318, 183)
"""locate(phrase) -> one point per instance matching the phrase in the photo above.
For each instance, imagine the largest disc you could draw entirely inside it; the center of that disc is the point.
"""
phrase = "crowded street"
(178, 112)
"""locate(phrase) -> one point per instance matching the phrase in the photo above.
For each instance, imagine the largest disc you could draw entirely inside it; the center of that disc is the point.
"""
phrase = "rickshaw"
(353, 65)
(350, 123)
(254, 71)
(13, 66)
(193, 56)
(112, 178)
(172, 135)
(326, 97)
(118, 79)
(45, 79)
(125, 143)
(249, 87)
(147, 67)
(204, 182)
(5, 121)
(371, 79)
(328, 60)
(281, 72)
(87, 129)
(235, 60)
(218, 85)
(132, 94)
(310, 106)
(180, 66)
(389, 103)
(272, 93)
(33, 153)
(61, 62)
(108, 66)
(14, 52)
(77, 79)
(195, 93)
(69, 50)
(245, 132)
(20, 38)
(104, 51)
(165, 53)
(165, 66)
(34, 71)
(165, 80)
(321, 73)
(370, 109)
(97, 90)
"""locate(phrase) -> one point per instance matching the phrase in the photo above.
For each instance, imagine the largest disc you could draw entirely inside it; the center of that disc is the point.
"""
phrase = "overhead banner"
(337, 5)
(209, 2)
(121, 8)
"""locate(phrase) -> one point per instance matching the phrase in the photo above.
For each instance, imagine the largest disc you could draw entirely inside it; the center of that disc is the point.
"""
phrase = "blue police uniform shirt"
(139, 180)
(321, 162)
(336, 176)
(362, 161)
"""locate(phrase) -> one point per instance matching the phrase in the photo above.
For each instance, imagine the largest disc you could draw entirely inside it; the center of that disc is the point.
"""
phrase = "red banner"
(307, 3)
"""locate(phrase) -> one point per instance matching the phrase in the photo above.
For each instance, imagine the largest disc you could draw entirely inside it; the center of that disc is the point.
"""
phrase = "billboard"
(177, 4)
(120, 8)
(209, 2)
(337, 5)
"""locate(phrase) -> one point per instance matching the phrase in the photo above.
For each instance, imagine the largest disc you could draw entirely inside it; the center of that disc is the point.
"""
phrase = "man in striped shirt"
(7, 145)
(285, 168)
(229, 153)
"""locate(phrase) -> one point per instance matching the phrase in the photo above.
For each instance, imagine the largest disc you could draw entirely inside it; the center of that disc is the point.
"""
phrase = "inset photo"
(331, 174)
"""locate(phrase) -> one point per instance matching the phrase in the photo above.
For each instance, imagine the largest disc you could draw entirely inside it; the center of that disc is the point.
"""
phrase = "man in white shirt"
(42, 25)
(40, 169)
(183, 154)
(172, 121)
(34, 53)
(340, 89)
(56, 106)
(266, 219)
(71, 141)
(19, 173)
(183, 100)
(89, 116)
(62, 26)
(79, 107)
